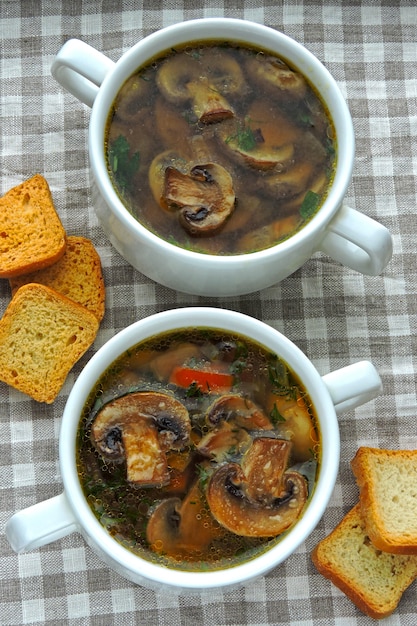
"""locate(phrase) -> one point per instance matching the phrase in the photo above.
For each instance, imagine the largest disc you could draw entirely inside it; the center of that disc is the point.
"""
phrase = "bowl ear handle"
(40, 524)
(81, 69)
(351, 386)
(358, 241)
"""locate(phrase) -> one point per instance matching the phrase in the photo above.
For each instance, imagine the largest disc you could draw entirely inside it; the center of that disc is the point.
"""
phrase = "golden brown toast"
(372, 579)
(42, 335)
(31, 234)
(387, 481)
(77, 275)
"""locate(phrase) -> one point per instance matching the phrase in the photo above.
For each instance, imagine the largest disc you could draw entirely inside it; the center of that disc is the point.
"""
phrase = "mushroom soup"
(220, 148)
(198, 449)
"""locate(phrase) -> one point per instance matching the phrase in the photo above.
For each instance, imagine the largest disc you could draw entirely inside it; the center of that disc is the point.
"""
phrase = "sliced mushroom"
(239, 410)
(257, 499)
(132, 95)
(205, 81)
(272, 73)
(140, 427)
(179, 528)
(263, 466)
(204, 197)
(264, 141)
(298, 425)
(208, 104)
(290, 183)
(224, 441)
(251, 148)
(270, 234)
(156, 174)
(171, 127)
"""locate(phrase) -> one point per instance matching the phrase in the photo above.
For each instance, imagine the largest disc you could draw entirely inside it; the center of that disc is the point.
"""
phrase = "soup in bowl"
(221, 151)
(220, 148)
(198, 449)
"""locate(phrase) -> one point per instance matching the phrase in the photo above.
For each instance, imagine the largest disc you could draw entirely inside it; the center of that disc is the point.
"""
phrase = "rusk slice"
(387, 481)
(42, 335)
(373, 580)
(31, 233)
(77, 275)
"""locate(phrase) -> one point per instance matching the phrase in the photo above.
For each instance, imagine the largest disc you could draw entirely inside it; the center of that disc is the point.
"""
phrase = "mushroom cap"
(258, 500)
(239, 410)
(140, 427)
(131, 97)
(293, 182)
(273, 74)
(206, 80)
(265, 141)
(204, 197)
(179, 528)
(224, 441)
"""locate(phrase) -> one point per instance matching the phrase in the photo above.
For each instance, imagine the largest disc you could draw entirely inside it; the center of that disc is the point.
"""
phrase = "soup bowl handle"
(351, 386)
(357, 241)
(81, 69)
(40, 524)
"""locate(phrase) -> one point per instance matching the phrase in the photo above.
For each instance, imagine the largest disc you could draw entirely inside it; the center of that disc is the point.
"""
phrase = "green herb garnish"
(276, 416)
(279, 379)
(194, 391)
(310, 204)
(203, 475)
(245, 138)
(123, 165)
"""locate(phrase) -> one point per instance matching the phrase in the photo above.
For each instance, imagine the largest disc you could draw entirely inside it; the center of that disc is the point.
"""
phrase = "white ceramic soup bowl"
(345, 234)
(69, 512)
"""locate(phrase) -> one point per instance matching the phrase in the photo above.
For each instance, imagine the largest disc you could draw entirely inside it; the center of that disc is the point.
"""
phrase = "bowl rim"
(234, 30)
(133, 565)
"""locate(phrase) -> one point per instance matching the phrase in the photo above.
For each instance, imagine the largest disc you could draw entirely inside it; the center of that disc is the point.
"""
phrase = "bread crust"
(387, 481)
(31, 233)
(373, 580)
(42, 335)
(77, 275)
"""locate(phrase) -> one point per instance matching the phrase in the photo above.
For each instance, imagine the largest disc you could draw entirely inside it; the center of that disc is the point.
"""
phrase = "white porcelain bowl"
(70, 512)
(347, 235)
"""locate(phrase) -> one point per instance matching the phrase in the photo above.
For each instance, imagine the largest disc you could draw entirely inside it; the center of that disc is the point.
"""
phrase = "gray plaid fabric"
(333, 314)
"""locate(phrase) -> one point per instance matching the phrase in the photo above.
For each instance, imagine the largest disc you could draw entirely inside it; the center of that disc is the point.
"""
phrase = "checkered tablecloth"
(333, 314)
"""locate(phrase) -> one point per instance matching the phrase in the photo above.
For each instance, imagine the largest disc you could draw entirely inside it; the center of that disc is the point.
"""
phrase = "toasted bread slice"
(387, 481)
(42, 335)
(31, 234)
(373, 580)
(76, 275)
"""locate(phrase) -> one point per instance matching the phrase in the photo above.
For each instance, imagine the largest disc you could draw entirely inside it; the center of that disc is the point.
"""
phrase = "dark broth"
(246, 372)
(272, 145)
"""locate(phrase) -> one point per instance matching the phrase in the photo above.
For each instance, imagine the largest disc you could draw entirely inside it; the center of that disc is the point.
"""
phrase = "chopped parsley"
(276, 416)
(279, 379)
(310, 204)
(122, 163)
(245, 138)
(194, 391)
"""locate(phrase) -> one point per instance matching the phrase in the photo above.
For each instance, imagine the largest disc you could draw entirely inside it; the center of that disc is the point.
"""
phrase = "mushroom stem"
(145, 461)
(140, 427)
(204, 197)
(208, 104)
(258, 499)
(205, 81)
